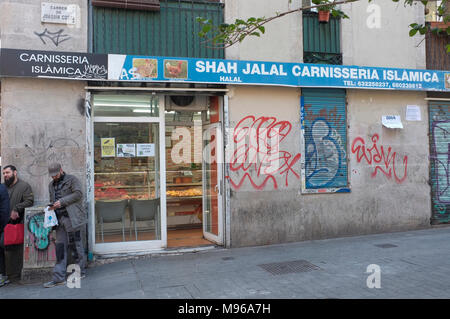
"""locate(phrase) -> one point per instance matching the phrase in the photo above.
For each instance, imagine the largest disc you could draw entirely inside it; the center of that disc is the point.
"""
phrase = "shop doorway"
(128, 181)
(193, 171)
(157, 172)
(212, 183)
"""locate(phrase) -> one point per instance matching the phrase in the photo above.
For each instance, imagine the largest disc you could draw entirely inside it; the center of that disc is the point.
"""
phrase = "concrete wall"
(43, 123)
(278, 212)
(377, 34)
(283, 40)
(42, 120)
(21, 27)
(380, 30)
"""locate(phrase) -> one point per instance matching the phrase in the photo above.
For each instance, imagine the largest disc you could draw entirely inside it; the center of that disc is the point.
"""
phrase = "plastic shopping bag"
(50, 219)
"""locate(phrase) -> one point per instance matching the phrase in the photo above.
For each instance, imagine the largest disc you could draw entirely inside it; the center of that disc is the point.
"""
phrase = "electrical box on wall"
(191, 103)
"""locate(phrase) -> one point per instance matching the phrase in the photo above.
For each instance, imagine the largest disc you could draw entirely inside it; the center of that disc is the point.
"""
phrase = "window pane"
(126, 105)
(127, 181)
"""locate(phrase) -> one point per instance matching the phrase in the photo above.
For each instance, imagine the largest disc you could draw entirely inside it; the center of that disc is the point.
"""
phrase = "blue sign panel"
(164, 69)
(89, 66)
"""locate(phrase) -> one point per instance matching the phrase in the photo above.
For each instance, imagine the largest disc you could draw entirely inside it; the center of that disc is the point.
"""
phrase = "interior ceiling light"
(122, 105)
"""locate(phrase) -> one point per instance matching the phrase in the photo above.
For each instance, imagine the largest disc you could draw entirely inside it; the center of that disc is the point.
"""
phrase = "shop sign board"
(58, 13)
(163, 69)
(113, 67)
(51, 64)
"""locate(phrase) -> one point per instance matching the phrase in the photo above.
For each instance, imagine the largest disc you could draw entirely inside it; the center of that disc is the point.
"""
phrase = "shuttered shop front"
(324, 166)
(439, 161)
(170, 31)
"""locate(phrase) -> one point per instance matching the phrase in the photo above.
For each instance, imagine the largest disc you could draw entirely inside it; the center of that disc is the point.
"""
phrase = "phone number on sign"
(407, 85)
(373, 84)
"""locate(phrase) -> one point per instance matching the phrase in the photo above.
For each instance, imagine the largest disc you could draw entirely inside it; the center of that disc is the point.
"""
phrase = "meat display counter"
(141, 185)
(184, 197)
(125, 185)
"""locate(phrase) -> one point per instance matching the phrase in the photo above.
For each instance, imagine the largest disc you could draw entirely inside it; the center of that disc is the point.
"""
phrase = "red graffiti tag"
(378, 156)
(261, 156)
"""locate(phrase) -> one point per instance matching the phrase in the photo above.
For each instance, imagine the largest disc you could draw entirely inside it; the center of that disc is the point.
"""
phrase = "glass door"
(128, 207)
(212, 183)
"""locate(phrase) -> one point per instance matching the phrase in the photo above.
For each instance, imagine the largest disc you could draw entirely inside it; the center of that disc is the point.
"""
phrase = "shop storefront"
(154, 185)
(201, 152)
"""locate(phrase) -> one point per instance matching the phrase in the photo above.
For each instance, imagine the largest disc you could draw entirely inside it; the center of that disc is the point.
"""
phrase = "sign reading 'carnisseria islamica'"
(83, 66)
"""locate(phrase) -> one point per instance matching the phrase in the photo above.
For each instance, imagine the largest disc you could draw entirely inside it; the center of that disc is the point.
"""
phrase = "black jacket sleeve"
(4, 206)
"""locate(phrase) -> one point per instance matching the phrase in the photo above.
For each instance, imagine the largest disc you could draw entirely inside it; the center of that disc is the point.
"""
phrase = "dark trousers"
(14, 261)
(2, 256)
(67, 237)
(11, 259)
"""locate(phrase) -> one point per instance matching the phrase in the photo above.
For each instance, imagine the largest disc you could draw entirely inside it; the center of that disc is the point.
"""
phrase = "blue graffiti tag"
(41, 234)
(323, 156)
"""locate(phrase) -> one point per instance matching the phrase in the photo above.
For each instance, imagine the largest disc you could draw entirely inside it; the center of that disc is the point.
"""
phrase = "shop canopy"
(114, 67)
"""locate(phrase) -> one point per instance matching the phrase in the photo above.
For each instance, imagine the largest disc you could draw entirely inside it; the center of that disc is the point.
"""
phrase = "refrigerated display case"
(125, 185)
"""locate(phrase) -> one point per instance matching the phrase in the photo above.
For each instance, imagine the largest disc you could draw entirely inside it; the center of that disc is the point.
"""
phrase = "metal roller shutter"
(324, 127)
(440, 161)
(171, 31)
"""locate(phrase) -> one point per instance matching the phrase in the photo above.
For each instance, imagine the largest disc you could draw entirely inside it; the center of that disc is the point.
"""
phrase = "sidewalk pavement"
(414, 264)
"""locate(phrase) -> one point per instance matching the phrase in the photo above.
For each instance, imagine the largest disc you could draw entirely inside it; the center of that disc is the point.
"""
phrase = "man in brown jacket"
(20, 194)
(20, 197)
(67, 198)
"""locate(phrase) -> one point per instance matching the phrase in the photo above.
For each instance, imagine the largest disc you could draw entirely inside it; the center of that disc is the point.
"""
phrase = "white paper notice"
(147, 150)
(413, 113)
(126, 150)
(392, 121)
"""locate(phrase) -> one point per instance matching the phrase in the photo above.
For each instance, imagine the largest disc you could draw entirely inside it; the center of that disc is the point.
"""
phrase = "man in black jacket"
(4, 217)
(20, 197)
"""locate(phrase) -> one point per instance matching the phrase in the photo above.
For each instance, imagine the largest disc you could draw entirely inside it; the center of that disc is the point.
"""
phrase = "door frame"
(218, 239)
(130, 246)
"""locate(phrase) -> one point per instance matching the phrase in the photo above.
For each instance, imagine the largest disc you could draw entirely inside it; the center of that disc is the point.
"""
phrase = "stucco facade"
(268, 211)
(375, 35)
(44, 120)
(282, 40)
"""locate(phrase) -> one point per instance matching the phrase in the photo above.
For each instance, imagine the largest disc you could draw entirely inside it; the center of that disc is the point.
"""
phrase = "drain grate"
(386, 245)
(289, 267)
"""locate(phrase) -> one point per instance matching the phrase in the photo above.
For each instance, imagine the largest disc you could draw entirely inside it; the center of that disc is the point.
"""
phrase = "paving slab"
(413, 264)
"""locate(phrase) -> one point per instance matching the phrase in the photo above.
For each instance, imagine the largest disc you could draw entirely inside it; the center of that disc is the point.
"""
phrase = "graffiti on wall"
(440, 161)
(384, 158)
(325, 164)
(324, 154)
(440, 155)
(41, 239)
(39, 248)
(257, 156)
(333, 115)
(56, 37)
(44, 150)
